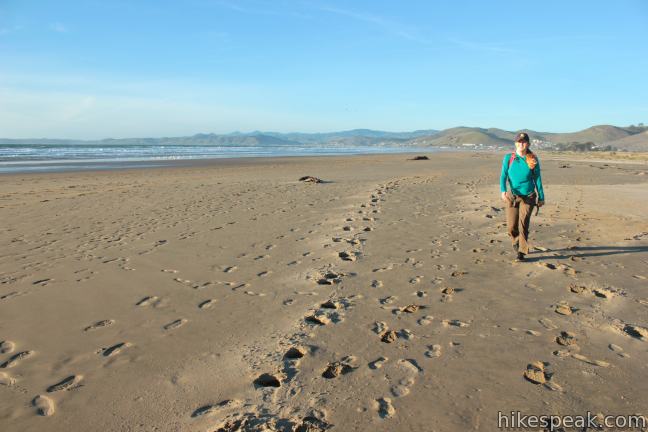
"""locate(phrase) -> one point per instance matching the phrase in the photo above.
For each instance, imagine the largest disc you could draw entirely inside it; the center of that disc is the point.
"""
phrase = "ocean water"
(16, 158)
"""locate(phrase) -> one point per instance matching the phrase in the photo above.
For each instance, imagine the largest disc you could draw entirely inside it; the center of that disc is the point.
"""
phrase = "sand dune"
(232, 296)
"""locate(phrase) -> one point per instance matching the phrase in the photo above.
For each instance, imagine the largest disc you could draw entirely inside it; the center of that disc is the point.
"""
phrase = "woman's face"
(521, 146)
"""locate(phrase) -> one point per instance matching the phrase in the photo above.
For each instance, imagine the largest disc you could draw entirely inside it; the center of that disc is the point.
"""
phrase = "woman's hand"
(504, 196)
(540, 203)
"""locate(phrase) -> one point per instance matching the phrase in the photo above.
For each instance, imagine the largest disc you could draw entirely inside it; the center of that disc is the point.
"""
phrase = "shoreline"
(638, 158)
(82, 166)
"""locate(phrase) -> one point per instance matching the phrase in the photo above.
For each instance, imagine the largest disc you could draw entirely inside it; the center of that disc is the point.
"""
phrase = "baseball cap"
(522, 137)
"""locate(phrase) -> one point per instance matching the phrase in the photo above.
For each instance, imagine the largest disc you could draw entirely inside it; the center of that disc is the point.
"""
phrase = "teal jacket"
(523, 181)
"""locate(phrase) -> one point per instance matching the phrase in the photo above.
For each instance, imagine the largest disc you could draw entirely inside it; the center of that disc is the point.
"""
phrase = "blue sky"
(96, 69)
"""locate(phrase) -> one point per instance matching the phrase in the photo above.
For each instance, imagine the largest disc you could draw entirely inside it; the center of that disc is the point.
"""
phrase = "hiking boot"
(520, 257)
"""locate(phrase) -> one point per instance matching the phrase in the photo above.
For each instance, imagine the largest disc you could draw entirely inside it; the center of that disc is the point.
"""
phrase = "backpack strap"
(511, 159)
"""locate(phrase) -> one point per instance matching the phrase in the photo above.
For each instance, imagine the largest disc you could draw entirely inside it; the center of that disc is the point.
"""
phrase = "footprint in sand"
(409, 309)
(99, 324)
(636, 331)
(348, 256)
(210, 410)
(566, 338)
(376, 284)
(564, 309)
(603, 293)
(16, 358)
(406, 334)
(7, 347)
(389, 336)
(434, 351)
(252, 293)
(44, 405)
(378, 363)
(330, 304)
(11, 295)
(388, 300)
(295, 353)
(66, 384)
(6, 379)
(618, 350)
(379, 327)
(402, 388)
(383, 269)
(237, 286)
(207, 304)
(410, 366)
(175, 324)
(114, 350)
(148, 301)
(447, 294)
(584, 359)
(268, 380)
(385, 408)
(426, 320)
(578, 289)
(318, 319)
(335, 369)
(538, 372)
(454, 323)
(547, 323)
(229, 269)
(329, 278)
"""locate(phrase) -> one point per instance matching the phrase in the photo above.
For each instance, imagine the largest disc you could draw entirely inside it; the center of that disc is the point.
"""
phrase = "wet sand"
(231, 296)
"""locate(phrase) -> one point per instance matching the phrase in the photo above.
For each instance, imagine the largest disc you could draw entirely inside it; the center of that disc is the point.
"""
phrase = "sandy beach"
(230, 296)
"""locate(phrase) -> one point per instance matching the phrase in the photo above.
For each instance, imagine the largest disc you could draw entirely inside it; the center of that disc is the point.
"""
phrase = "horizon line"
(259, 132)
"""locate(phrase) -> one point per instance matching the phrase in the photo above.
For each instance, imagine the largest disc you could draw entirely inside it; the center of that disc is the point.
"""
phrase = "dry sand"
(230, 296)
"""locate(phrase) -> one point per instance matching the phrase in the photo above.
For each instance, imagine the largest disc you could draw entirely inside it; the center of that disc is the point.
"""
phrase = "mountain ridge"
(629, 138)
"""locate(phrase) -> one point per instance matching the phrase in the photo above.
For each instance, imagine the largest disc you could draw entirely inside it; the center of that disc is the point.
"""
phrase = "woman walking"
(522, 170)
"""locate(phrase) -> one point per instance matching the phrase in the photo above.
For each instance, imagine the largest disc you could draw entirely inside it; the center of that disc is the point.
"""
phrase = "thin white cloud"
(254, 8)
(484, 46)
(390, 26)
(507, 47)
(58, 27)
(7, 30)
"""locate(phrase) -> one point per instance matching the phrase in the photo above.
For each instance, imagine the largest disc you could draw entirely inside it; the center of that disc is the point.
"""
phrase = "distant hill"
(635, 142)
(596, 134)
(355, 136)
(229, 140)
(351, 137)
(631, 138)
(464, 136)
